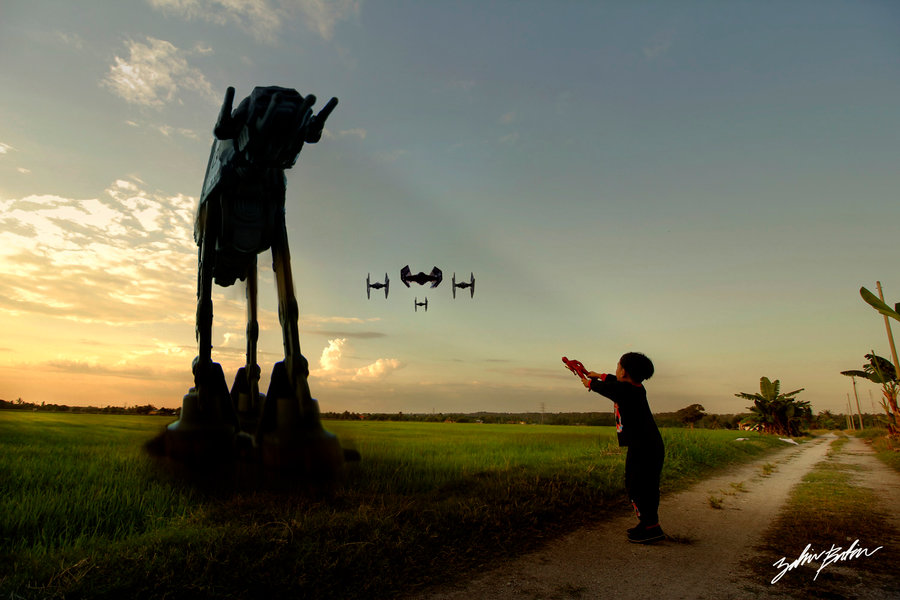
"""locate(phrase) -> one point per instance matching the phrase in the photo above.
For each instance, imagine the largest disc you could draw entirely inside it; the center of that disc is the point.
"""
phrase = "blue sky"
(707, 182)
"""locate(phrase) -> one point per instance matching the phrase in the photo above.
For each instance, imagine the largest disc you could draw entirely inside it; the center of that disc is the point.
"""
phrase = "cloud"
(169, 131)
(95, 367)
(655, 51)
(358, 132)
(154, 74)
(323, 15)
(318, 319)
(526, 373)
(165, 130)
(331, 365)
(331, 355)
(392, 156)
(349, 334)
(659, 46)
(127, 256)
(314, 324)
(5, 148)
(264, 18)
(508, 118)
(377, 369)
(70, 39)
(259, 17)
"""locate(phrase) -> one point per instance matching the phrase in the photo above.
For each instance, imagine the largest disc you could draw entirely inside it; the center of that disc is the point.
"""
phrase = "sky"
(706, 182)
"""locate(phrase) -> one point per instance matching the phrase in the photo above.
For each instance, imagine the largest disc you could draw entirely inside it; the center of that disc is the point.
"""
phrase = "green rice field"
(85, 513)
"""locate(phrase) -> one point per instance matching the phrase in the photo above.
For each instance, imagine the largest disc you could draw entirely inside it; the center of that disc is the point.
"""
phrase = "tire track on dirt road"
(701, 558)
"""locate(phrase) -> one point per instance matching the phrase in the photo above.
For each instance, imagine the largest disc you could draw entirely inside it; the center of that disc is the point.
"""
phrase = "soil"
(708, 552)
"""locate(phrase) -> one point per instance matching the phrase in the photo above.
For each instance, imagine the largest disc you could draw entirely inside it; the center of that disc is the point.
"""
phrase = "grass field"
(85, 513)
(884, 447)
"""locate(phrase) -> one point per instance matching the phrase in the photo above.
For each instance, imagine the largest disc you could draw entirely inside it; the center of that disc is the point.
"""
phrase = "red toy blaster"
(576, 367)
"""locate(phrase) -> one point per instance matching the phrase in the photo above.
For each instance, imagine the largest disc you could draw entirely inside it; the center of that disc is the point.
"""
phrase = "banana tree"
(881, 371)
(774, 412)
(890, 391)
(878, 303)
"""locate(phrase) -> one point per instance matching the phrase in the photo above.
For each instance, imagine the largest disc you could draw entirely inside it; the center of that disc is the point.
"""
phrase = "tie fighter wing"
(436, 277)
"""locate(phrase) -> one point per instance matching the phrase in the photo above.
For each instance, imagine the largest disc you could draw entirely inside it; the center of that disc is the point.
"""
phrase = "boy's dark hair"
(638, 366)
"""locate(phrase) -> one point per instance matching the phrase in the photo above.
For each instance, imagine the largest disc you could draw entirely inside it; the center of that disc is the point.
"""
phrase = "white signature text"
(825, 557)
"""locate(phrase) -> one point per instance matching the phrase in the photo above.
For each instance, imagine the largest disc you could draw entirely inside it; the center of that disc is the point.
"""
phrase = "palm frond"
(878, 304)
(853, 373)
(880, 366)
(768, 388)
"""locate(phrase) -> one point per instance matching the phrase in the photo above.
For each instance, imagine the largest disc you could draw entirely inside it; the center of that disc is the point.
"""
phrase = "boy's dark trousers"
(642, 470)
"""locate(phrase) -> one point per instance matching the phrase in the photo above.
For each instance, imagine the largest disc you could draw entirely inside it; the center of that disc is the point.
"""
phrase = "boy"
(636, 430)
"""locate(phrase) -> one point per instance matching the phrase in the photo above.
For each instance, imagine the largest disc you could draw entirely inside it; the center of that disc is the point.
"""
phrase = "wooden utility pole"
(850, 414)
(858, 412)
(887, 325)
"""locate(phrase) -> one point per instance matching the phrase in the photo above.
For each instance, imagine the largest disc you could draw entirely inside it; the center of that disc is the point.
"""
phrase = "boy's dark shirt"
(635, 426)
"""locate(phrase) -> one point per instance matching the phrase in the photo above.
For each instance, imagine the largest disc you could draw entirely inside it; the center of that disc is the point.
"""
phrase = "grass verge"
(886, 449)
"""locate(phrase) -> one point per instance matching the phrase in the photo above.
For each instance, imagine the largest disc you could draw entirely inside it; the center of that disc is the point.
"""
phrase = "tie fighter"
(417, 304)
(463, 285)
(421, 278)
(377, 286)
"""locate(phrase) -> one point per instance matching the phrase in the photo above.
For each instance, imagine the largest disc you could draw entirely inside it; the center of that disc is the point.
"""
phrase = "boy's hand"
(594, 374)
(587, 382)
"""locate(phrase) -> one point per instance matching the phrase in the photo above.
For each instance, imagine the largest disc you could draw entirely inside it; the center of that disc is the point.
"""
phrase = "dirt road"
(704, 556)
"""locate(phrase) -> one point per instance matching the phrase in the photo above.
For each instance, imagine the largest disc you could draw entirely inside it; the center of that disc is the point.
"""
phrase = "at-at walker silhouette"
(240, 215)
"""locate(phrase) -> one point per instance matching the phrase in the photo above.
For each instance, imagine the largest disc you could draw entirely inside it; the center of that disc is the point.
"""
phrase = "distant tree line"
(146, 409)
(690, 416)
(593, 418)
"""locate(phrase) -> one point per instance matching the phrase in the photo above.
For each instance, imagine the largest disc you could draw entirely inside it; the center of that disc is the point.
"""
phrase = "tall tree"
(691, 414)
(774, 412)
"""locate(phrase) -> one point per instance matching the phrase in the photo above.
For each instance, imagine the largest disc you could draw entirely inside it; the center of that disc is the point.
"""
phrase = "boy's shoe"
(646, 535)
